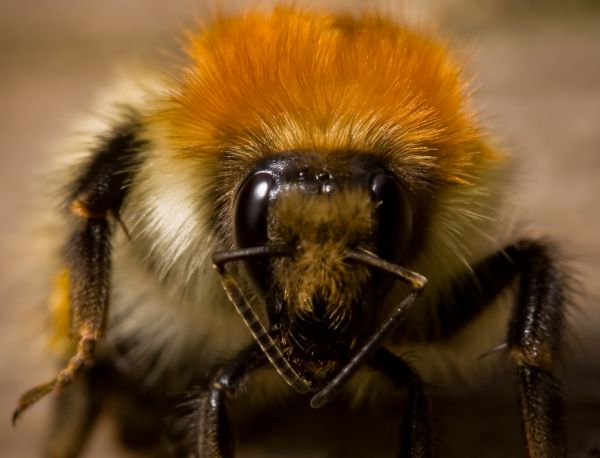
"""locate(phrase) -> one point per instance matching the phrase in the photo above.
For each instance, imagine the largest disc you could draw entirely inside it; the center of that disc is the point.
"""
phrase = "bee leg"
(534, 331)
(417, 434)
(89, 267)
(95, 200)
(534, 337)
(214, 436)
(472, 292)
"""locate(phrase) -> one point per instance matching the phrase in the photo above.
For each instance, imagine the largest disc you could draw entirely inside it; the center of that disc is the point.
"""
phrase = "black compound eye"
(394, 217)
(251, 205)
(250, 222)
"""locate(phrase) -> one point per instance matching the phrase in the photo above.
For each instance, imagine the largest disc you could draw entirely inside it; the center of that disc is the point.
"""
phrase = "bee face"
(320, 207)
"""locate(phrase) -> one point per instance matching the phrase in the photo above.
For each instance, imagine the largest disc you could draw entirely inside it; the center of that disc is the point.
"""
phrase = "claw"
(83, 356)
(31, 397)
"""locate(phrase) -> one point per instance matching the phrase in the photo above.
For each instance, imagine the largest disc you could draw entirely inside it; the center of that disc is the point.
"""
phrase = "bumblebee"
(310, 194)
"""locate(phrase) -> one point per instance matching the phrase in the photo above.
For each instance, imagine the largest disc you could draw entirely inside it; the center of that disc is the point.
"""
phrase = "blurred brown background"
(538, 68)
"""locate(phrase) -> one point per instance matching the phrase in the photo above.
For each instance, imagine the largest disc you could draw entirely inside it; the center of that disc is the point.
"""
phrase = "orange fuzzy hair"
(292, 80)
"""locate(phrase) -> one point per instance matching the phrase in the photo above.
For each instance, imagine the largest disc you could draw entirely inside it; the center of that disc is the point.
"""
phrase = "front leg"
(534, 337)
(214, 437)
(95, 200)
(417, 435)
(534, 331)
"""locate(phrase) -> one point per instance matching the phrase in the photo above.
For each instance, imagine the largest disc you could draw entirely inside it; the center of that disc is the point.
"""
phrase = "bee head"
(320, 208)
(349, 142)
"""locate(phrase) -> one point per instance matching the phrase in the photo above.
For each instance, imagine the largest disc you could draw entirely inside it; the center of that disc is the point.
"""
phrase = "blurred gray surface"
(538, 78)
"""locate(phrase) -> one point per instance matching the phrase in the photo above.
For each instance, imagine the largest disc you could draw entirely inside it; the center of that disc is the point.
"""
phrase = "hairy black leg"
(534, 331)
(214, 436)
(534, 336)
(95, 200)
(469, 294)
(89, 273)
(417, 435)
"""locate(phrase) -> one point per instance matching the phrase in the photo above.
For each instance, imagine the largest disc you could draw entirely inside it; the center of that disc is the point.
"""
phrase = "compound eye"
(250, 222)
(394, 217)
(252, 203)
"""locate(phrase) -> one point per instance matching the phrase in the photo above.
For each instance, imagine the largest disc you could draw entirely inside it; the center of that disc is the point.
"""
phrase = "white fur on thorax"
(184, 311)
